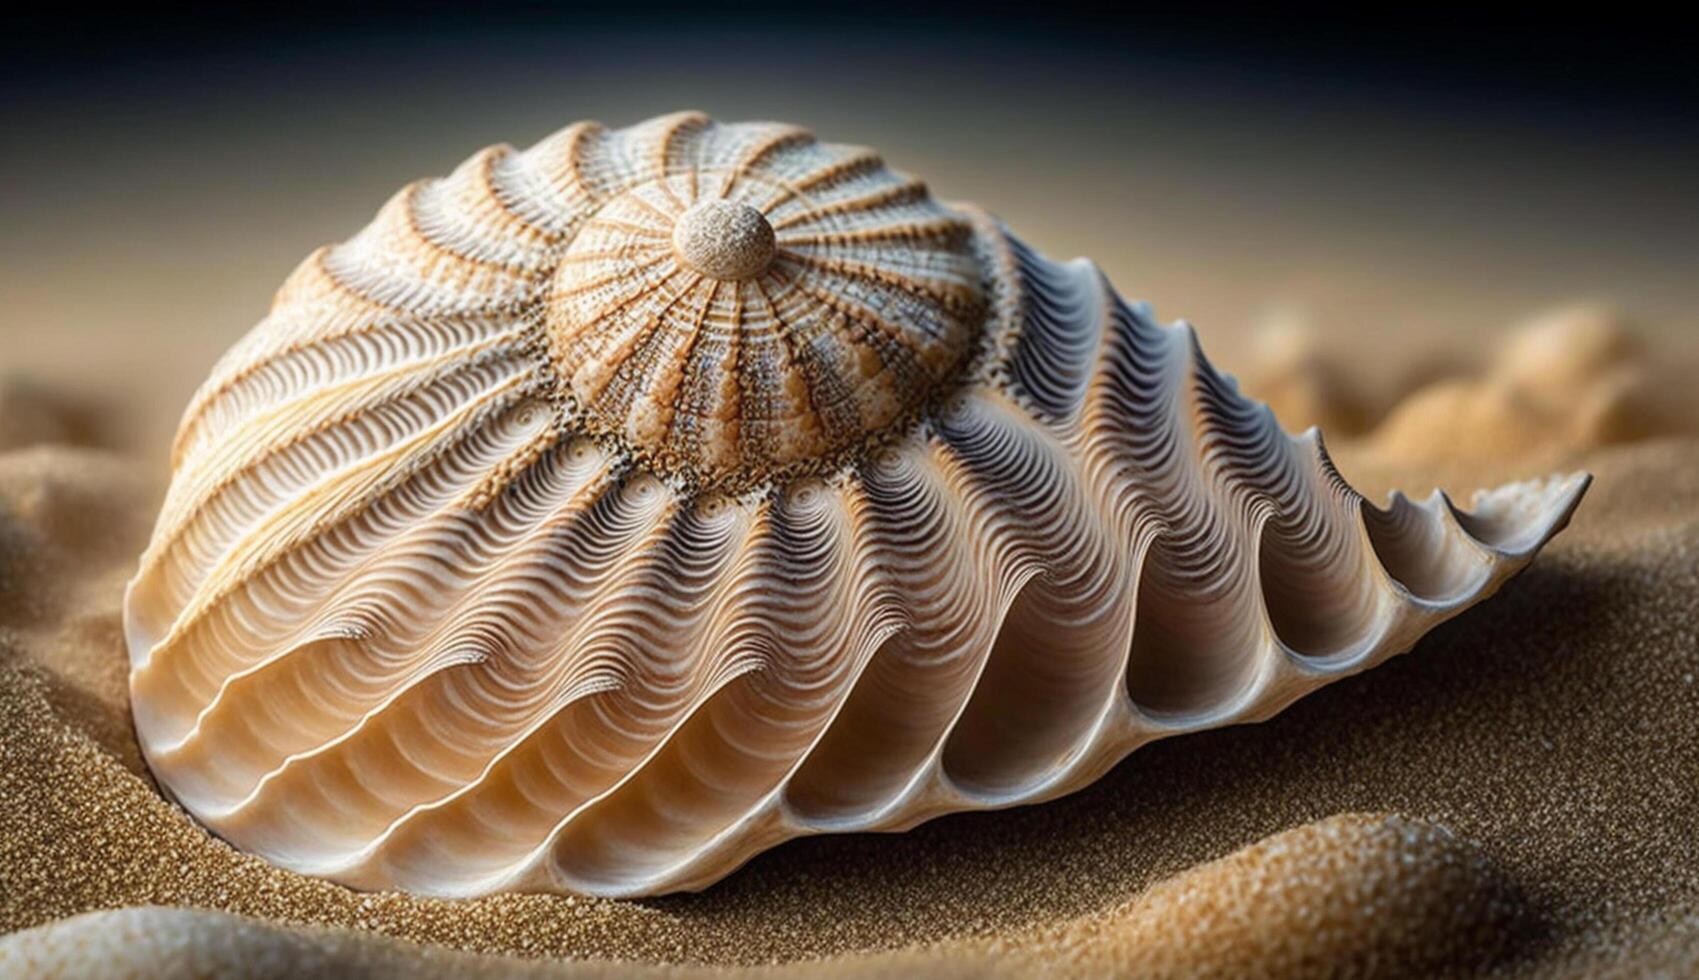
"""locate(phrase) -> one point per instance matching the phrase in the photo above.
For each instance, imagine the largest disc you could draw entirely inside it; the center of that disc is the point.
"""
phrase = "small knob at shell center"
(724, 240)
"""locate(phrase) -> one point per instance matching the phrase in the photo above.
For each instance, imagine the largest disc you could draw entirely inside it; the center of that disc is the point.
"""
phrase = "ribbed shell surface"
(531, 543)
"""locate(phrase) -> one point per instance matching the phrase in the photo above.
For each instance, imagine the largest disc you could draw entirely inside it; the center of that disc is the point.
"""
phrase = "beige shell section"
(563, 531)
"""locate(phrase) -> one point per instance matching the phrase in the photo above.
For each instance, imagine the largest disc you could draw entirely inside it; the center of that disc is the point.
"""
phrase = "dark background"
(1616, 60)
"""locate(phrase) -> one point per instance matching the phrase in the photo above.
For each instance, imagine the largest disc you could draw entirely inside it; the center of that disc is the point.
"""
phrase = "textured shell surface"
(607, 512)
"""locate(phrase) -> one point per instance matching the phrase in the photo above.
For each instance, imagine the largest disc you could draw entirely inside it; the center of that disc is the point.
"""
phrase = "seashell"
(608, 512)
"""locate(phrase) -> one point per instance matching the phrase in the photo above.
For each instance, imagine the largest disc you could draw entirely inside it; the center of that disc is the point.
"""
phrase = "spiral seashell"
(608, 512)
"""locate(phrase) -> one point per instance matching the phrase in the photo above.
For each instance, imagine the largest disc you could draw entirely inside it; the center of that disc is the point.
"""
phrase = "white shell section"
(410, 620)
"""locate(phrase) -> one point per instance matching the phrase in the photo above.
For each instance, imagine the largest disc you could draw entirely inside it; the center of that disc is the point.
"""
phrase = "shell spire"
(609, 511)
(749, 304)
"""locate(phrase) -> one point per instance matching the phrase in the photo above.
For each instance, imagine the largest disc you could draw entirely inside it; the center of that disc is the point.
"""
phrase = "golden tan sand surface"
(1515, 797)
(1340, 895)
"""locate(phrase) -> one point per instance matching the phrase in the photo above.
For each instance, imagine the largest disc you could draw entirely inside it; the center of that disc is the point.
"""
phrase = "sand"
(1515, 797)
(1341, 895)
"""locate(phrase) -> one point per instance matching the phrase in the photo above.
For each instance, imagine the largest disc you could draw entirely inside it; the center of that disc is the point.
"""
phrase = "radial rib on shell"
(607, 512)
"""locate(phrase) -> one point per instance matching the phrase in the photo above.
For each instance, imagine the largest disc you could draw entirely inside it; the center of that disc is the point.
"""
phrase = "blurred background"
(1353, 209)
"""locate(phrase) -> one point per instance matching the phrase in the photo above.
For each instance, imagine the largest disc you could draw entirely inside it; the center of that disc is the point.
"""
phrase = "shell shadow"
(106, 724)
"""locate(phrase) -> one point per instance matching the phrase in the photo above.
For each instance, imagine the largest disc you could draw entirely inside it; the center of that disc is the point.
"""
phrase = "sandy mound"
(1309, 382)
(1345, 896)
(1574, 379)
